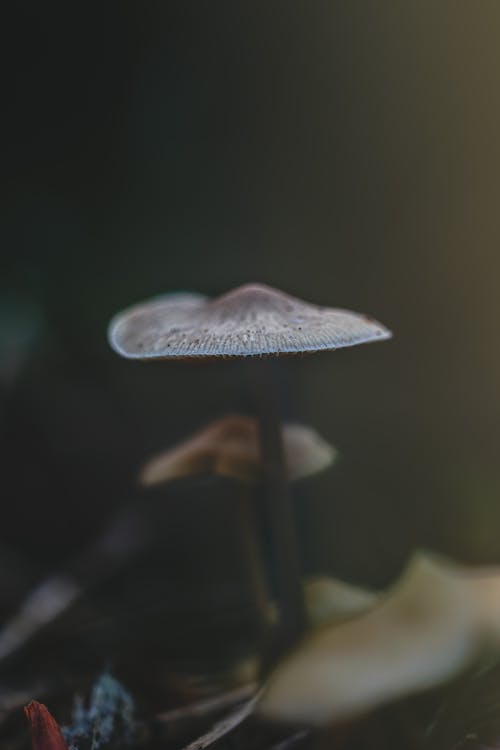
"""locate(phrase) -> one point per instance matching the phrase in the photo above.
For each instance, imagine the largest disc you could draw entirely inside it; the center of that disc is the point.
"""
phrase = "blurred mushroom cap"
(230, 447)
(251, 320)
(331, 600)
(427, 629)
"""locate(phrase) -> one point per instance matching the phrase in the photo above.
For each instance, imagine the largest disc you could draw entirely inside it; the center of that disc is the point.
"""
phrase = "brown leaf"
(45, 732)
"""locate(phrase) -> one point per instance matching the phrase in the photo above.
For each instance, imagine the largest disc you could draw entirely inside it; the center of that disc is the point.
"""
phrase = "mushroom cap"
(230, 447)
(430, 626)
(330, 600)
(251, 320)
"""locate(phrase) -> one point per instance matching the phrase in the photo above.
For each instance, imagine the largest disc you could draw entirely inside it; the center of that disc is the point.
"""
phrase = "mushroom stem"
(280, 516)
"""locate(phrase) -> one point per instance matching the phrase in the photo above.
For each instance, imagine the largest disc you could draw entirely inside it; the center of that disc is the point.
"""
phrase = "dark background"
(347, 153)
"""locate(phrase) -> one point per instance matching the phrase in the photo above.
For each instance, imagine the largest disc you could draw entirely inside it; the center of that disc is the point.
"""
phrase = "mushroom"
(229, 447)
(251, 321)
(331, 600)
(429, 627)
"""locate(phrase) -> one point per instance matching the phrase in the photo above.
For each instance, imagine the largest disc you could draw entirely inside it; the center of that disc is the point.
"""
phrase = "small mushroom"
(249, 322)
(435, 621)
(229, 447)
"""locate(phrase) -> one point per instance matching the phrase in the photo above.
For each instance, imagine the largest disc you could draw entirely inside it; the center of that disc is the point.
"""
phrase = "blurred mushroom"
(250, 321)
(435, 621)
(230, 447)
(330, 600)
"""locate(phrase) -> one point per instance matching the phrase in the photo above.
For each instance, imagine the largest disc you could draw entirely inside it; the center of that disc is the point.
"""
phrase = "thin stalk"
(279, 509)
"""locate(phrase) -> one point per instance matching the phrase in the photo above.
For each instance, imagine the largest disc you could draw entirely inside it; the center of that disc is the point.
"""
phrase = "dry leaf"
(45, 732)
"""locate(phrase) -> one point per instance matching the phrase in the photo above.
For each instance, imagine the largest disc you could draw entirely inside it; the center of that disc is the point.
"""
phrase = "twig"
(208, 706)
(293, 740)
(225, 725)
